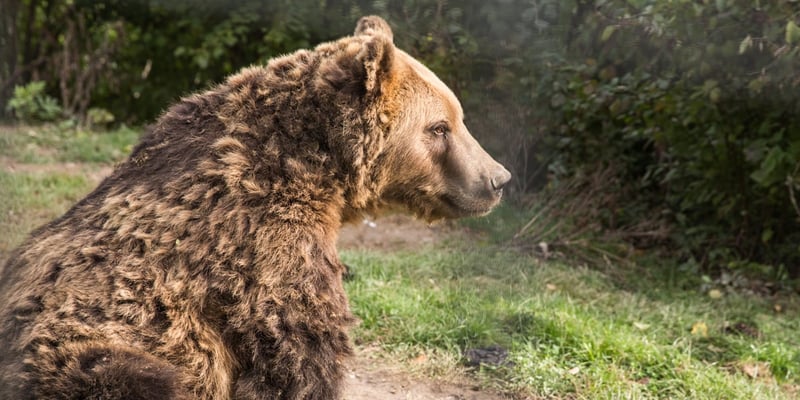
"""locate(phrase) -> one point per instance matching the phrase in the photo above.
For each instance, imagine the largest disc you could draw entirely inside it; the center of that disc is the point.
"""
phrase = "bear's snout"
(476, 179)
(499, 180)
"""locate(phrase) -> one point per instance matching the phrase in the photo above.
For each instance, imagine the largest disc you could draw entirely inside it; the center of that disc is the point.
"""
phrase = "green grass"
(572, 332)
(46, 169)
(42, 145)
(28, 200)
(620, 332)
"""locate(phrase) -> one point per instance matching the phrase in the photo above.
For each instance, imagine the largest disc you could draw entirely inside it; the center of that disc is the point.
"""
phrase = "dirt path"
(391, 233)
(371, 378)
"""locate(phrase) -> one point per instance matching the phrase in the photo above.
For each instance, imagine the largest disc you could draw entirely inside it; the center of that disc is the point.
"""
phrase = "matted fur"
(205, 266)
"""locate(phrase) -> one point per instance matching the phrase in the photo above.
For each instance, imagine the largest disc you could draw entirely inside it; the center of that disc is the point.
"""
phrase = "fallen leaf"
(641, 326)
(551, 287)
(715, 349)
(756, 369)
(608, 31)
(700, 329)
(750, 370)
(545, 248)
(715, 294)
(574, 371)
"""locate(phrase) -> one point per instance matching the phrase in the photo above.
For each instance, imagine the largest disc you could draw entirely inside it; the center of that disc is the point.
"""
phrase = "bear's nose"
(500, 179)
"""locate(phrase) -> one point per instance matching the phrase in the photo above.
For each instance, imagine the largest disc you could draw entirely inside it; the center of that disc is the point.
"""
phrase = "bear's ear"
(376, 57)
(364, 63)
(377, 53)
(373, 25)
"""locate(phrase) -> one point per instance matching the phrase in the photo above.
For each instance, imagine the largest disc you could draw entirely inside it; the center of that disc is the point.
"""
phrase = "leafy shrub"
(703, 122)
(30, 103)
(99, 117)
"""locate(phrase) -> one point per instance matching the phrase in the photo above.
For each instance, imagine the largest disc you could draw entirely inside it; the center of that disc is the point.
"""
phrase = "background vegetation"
(679, 117)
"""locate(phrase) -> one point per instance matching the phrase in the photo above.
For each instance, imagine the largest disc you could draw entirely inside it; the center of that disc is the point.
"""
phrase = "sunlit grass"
(35, 184)
(573, 332)
(41, 145)
(30, 199)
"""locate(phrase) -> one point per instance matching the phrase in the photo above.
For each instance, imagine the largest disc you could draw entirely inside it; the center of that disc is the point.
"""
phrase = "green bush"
(698, 114)
(30, 103)
(99, 117)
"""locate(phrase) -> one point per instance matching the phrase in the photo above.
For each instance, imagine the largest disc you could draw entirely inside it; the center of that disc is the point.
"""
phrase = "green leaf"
(745, 44)
(792, 32)
(714, 94)
(765, 174)
(607, 32)
(201, 59)
(767, 235)
(757, 84)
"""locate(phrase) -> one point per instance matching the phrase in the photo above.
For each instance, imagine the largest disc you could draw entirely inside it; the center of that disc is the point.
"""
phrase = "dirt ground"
(391, 233)
(370, 378)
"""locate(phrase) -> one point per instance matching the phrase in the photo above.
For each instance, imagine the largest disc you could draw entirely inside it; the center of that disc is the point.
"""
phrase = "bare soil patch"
(370, 377)
(392, 233)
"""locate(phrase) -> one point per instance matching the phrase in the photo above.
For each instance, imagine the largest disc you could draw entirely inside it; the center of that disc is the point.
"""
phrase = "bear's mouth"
(459, 205)
(444, 205)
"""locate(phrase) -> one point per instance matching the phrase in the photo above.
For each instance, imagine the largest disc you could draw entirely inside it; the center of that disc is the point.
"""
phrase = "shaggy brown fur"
(205, 266)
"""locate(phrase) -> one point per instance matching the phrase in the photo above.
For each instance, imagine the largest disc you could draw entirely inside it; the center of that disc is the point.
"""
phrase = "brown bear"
(204, 266)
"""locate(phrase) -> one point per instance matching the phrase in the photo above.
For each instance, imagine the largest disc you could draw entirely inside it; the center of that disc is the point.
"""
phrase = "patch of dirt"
(392, 233)
(370, 378)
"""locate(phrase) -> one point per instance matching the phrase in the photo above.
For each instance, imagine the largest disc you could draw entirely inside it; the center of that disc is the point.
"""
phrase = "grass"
(571, 332)
(28, 200)
(47, 169)
(43, 145)
(636, 331)
(619, 332)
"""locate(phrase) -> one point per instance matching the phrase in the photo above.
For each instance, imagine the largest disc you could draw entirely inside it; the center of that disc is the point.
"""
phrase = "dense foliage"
(689, 106)
(694, 105)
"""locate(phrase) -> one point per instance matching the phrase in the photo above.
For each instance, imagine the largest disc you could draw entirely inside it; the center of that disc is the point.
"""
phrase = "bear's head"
(409, 147)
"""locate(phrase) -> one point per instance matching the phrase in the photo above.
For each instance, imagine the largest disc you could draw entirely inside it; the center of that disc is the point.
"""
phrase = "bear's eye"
(440, 129)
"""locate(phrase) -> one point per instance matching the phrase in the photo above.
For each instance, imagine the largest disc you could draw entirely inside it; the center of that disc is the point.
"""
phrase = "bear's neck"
(328, 134)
